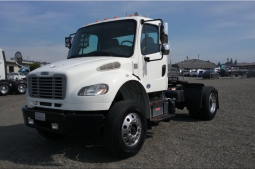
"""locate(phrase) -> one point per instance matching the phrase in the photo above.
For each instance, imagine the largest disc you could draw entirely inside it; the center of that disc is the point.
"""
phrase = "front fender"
(114, 79)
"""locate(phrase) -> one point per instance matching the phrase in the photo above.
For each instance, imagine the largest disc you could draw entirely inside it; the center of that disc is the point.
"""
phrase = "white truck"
(9, 86)
(114, 80)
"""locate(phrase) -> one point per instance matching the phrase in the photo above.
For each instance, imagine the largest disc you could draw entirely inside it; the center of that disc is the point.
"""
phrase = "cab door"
(153, 74)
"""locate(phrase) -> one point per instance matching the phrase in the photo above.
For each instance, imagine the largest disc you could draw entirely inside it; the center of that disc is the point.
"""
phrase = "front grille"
(47, 87)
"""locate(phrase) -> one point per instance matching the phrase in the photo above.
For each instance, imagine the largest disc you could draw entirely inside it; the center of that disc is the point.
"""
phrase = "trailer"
(114, 81)
(9, 86)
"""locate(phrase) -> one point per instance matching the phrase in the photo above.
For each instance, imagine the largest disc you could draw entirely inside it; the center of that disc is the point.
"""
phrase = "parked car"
(211, 74)
(185, 73)
(18, 76)
(173, 74)
(193, 73)
(251, 73)
(10, 76)
(200, 73)
(223, 73)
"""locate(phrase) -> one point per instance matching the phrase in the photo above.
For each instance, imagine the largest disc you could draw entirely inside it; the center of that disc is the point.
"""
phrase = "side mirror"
(165, 40)
(18, 58)
(166, 28)
(68, 42)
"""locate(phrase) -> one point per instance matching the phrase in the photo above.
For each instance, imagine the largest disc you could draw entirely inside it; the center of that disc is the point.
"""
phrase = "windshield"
(105, 39)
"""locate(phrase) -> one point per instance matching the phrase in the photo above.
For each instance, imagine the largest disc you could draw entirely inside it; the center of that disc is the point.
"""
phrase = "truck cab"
(113, 80)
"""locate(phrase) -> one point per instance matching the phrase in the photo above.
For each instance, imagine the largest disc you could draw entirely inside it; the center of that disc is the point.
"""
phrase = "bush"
(34, 66)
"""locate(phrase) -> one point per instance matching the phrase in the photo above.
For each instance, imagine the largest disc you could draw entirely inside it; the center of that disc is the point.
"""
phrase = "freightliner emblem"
(44, 73)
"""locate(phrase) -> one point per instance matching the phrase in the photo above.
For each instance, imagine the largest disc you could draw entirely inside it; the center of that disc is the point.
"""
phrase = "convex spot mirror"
(18, 57)
(68, 42)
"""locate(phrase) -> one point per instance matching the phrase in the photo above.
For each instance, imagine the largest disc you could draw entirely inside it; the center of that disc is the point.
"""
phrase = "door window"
(149, 39)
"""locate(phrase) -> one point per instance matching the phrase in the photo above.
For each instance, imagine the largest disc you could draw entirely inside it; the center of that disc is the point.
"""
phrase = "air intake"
(109, 66)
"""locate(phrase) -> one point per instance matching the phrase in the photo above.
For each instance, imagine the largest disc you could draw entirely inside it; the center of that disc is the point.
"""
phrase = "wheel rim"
(21, 88)
(212, 102)
(131, 129)
(4, 89)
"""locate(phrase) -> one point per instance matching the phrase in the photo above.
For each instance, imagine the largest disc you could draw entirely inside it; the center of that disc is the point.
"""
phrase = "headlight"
(98, 89)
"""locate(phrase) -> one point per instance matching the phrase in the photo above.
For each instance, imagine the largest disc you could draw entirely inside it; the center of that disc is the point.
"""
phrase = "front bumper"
(70, 123)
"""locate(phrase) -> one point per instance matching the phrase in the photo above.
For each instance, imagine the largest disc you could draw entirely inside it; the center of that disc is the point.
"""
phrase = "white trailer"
(114, 80)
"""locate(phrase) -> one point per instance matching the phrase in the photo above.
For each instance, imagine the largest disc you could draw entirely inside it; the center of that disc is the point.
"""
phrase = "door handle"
(163, 70)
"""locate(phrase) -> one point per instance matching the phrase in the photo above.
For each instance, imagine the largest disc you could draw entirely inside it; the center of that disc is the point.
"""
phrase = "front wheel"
(125, 129)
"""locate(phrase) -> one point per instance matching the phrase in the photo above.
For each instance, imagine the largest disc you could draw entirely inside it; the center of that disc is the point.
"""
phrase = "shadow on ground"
(23, 145)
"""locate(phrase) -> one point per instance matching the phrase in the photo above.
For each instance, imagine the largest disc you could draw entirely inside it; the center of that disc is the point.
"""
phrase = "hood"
(82, 64)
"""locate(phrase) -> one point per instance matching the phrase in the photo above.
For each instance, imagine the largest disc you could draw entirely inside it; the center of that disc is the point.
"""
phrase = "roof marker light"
(115, 17)
(87, 23)
(97, 20)
(106, 19)
(130, 15)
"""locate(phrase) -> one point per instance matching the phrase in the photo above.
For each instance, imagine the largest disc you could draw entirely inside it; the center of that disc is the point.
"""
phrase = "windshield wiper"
(98, 53)
(73, 56)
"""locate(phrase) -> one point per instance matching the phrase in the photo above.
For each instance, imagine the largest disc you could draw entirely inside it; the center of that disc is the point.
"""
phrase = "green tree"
(34, 66)
(219, 64)
(235, 61)
(231, 61)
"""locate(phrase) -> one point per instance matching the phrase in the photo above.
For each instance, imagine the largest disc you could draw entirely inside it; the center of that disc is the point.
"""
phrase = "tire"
(20, 88)
(50, 135)
(126, 120)
(209, 105)
(4, 89)
(194, 113)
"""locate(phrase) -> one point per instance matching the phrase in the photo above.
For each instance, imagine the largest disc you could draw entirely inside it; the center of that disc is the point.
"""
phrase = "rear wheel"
(209, 105)
(20, 88)
(4, 89)
(194, 113)
(125, 129)
(50, 135)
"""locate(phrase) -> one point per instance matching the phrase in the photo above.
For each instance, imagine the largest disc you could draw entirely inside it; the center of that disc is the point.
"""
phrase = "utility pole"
(198, 56)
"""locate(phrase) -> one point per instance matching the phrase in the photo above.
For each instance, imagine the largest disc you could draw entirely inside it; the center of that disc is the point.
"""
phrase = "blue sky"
(215, 30)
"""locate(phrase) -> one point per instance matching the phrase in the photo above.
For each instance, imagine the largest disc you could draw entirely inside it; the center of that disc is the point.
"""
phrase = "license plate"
(40, 116)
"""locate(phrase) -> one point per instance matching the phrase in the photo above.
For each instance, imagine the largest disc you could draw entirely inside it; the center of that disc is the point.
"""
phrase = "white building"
(13, 67)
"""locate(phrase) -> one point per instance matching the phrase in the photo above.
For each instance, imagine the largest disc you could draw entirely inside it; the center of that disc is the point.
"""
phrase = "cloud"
(28, 13)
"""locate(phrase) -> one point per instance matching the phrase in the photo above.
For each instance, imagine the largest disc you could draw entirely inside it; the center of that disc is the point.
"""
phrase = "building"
(13, 67)
(242, 65)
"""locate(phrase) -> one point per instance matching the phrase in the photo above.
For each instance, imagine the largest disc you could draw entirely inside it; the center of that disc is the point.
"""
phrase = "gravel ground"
(225, 142)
